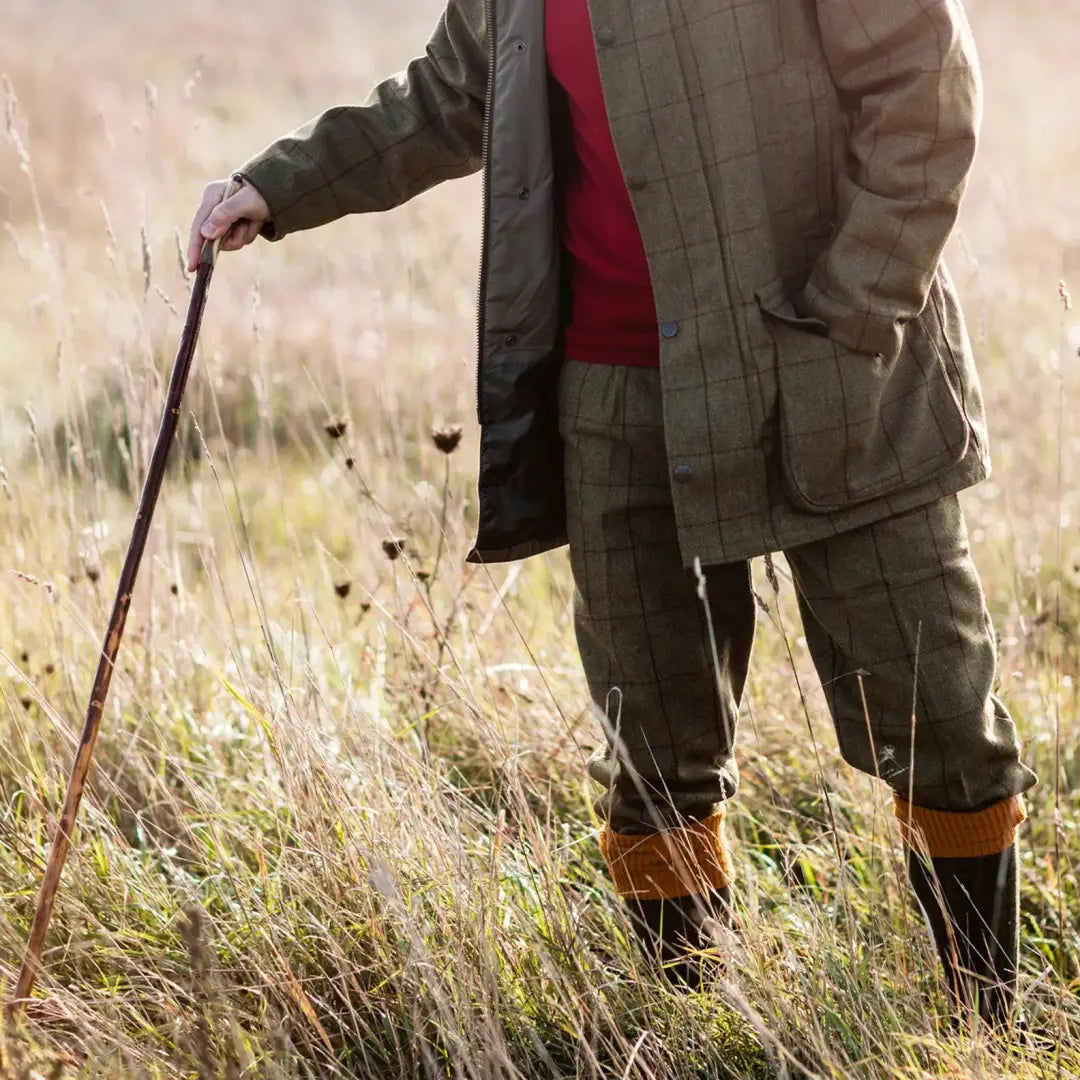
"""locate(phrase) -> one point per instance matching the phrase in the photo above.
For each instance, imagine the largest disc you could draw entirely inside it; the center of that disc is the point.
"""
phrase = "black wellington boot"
(973, 908)
(673, 931)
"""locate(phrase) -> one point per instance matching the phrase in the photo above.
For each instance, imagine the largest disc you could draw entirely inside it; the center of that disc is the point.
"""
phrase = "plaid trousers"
(893, 614)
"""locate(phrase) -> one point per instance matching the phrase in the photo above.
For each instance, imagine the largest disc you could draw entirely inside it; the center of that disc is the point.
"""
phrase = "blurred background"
(323, 758)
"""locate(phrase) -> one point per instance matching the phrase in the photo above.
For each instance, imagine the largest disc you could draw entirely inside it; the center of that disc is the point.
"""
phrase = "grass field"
(339, 824)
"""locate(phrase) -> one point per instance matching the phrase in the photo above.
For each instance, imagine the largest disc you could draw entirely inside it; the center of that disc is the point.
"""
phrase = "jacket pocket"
(854, 426)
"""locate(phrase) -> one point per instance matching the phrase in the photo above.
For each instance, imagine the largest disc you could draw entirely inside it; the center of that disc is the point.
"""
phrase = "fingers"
(240, 235)
(211, 197)
(238, 219)
(246, 204)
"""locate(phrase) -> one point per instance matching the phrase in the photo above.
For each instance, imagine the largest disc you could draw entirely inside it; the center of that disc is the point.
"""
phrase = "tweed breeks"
(893, 614)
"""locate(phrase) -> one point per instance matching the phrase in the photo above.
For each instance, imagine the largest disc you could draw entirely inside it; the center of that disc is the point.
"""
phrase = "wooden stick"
(32, 964)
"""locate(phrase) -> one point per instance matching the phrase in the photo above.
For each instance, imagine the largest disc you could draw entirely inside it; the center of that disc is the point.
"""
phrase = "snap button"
(669, 329)
(636, 183)
(519, 45)
(510, 340)
(683, 473)
(606, 36)
(523, 193)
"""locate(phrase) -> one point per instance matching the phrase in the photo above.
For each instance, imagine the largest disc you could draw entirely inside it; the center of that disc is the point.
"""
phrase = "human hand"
(237, 219)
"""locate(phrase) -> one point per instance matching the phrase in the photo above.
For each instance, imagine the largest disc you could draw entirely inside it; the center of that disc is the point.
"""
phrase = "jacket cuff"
(857, 329)
(295, 202)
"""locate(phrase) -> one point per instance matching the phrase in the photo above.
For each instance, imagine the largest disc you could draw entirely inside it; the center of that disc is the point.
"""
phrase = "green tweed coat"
(795, 166)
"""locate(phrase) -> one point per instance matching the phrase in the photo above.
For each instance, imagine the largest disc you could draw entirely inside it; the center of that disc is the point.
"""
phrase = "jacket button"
(636, 183)
(523, 193)
(510, 340)
(683, 473)
(606, 36)
(669, 329)
(519, 46)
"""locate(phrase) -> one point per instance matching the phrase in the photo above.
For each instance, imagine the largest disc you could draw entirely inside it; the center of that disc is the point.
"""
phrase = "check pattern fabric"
(796, 168)
(892, 612)
(830, 226)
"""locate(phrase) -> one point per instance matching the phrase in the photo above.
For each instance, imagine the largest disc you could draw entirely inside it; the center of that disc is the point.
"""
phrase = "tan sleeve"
(416, 129)
(907, 70)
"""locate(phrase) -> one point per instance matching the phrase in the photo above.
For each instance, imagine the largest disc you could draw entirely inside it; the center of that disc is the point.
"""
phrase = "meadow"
(339, 824)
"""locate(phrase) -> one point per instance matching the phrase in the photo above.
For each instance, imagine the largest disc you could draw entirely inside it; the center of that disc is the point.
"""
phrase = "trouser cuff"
(685, 861)
(950, 834)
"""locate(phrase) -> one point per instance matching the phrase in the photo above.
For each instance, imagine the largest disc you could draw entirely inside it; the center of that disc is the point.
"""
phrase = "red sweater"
(613, 315)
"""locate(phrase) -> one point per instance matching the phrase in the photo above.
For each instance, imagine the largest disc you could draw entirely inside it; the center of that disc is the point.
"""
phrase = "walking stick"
(31, 965)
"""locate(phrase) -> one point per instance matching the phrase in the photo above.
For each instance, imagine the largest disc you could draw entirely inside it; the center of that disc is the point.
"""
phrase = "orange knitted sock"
(950, 834)
(684, 861)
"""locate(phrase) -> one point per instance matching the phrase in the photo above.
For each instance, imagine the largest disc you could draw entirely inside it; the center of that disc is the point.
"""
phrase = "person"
(715, 323)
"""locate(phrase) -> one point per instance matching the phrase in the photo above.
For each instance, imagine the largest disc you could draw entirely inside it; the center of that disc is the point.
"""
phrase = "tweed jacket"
(795, 166)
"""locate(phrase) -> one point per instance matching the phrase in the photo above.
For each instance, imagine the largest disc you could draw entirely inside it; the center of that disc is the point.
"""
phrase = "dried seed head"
(93, 573)
(423, 575)
(26, 703)
(393, 548)
(49, 669)
(24, 656)
(336, 428)
(365, 607)
(349, 463)
(447, 439)
(342, 588)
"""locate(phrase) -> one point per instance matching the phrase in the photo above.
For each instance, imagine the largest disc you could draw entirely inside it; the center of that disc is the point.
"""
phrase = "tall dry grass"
(339, 824)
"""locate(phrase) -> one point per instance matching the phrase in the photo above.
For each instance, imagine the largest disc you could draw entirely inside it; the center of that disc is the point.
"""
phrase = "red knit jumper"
(613, 314)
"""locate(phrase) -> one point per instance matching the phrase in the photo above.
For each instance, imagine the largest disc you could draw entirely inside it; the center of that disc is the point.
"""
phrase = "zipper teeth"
(481, 298)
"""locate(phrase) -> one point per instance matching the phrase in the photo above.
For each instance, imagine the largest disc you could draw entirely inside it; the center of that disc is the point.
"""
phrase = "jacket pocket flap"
(855, 426)
(775, 303)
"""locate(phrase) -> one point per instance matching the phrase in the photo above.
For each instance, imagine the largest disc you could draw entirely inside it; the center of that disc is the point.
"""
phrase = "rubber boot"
(973, 908)
(675, 932)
